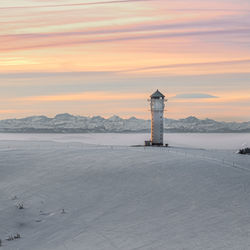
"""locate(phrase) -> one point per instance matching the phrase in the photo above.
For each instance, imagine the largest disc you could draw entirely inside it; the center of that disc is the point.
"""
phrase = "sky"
(100, 57)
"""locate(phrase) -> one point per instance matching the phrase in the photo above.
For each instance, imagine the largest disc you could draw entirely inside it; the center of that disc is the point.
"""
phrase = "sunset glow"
(106, 57)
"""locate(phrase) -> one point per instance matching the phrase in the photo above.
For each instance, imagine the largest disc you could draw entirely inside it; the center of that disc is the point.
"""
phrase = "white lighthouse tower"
(157, 104)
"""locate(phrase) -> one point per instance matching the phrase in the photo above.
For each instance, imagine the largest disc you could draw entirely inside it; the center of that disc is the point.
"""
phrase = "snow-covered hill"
(94, 197)
(66, 123)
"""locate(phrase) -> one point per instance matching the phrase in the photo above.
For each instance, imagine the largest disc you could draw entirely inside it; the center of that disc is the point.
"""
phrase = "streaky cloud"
(194, 96)
(95, 73)
(72, 4)
(53, 74)
(125, 1)
(221, 32)
(180, 65)
(134, 28)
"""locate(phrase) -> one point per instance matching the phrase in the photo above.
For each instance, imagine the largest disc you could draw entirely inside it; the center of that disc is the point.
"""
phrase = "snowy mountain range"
(66, 123)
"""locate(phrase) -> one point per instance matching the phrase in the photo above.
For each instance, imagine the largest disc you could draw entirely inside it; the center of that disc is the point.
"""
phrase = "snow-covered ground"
(194, 195)
(193, 140)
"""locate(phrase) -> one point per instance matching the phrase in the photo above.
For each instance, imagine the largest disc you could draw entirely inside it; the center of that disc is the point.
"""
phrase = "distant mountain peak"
(133, 118)
(64, 116)
(115, 118)
(191, 119)
(97, 118)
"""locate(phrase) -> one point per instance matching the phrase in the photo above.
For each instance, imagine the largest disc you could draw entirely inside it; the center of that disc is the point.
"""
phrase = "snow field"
(79, 196)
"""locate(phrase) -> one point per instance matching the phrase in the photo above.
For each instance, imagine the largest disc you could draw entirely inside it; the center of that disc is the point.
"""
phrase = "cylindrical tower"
(157, 103)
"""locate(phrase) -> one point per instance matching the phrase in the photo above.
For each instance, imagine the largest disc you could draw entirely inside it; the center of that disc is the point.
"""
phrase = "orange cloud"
(9, 111)
(85, 96)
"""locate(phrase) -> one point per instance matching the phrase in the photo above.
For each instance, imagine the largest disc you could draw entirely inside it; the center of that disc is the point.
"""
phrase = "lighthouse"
(157, 105)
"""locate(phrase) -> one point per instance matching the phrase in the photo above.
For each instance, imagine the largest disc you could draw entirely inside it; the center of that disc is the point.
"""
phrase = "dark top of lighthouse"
(157, 95)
